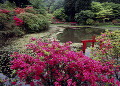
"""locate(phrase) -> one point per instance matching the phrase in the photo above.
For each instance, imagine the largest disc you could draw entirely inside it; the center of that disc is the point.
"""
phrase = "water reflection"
(77, 34)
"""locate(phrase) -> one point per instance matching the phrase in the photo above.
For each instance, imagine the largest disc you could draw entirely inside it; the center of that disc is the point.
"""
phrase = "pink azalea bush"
(19, 10)
(56, 21)
(5, 11)
(18, 21)
(55, 64)
(108, 50)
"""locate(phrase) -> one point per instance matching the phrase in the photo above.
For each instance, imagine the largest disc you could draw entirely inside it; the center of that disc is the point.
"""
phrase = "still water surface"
(75, 35)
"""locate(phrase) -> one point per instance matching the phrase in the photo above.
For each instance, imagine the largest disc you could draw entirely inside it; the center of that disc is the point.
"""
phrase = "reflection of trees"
(76, 35)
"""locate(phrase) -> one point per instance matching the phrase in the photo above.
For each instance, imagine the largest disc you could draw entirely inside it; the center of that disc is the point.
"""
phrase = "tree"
(48, 4)
(82, 5)
(38, 5)
(57, 5)
(102, 10)
(70, 9)
(20, 3)
(114, 1)
(75, 6)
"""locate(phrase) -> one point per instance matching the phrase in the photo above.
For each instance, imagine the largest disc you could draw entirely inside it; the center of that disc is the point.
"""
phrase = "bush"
(83, 16)
(89, 21)
(18, 31)
(109, 50)
(29, 9)
(8, 5)
(3, 18)
(59, 14)
(118, 20)
(33, 23)
(56, 65)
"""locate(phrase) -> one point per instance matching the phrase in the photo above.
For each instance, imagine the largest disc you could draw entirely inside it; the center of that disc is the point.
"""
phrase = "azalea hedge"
(22, 20)
(109, 50)
(54, 64)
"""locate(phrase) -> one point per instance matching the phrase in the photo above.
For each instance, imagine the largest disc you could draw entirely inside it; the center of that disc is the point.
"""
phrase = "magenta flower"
(13, 83)
(17, 21)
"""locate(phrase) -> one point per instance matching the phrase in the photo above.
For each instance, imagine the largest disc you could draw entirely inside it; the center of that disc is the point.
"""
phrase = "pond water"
(75, 34)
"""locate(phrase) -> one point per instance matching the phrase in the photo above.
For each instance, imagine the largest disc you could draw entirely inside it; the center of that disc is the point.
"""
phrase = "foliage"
(101, 10)
(18, 31)
(33, 23)
(44, 24)
(59, 14)
(4, 16)
(89, 21)
(75, 6)
(18, 21)
(20, 3)
(82, 5)
(70, 9)
(56, 5)
(38, 6)
(109, 49)
(83, 16)
(8, 5)
(30, 9)
(114, 1)
(118, 20)
(48, 4)
(19, 10)
(55, 64)
(96, 7)
(116, 9)
(49, 16)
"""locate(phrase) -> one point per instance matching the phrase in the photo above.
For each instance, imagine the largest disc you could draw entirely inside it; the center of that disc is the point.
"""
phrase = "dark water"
(75, 35)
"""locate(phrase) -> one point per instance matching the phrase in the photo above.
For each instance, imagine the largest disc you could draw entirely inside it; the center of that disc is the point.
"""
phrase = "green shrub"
(118, 20)
(5, 20)
(30, 10)
(59, 14)
(49, 16)
(96, 7)
(8, 5)
(44, 24)
(83, 16)
(96, 23)
(33, 23)
(90, 21)
(18, 31)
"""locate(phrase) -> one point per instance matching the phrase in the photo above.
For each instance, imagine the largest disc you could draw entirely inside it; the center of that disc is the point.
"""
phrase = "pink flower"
(33, 38)
(69, 82)
(32, 83)
(13, 83)
(17, 21)
(57, 84)
(117, 83)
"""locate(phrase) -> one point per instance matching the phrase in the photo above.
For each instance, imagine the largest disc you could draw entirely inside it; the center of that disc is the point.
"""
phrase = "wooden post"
(84, 47)
(93, 41)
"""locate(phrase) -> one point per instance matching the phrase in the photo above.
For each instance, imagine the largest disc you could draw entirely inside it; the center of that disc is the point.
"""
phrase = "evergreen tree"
(82, 5)
(70, 9)
(114, 1)
(75, 6)
(20, 3)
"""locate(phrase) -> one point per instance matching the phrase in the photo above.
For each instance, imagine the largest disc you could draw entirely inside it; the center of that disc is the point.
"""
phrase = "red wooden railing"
(86, 41)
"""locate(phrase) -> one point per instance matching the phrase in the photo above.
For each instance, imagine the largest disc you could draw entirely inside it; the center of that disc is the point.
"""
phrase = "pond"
(76, 34)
